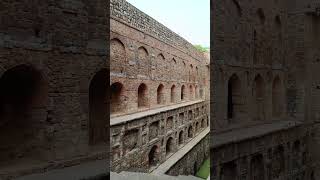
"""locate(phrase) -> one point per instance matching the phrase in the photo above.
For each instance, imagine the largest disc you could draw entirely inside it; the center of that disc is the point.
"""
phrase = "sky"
(188, 18)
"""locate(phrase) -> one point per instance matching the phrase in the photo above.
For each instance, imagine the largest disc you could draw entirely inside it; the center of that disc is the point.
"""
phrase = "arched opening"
(197, 127)
(259, 95)
(276, 97)
(296, 155)
(234, 97)
(195, 168)
(173, 94)
(202, 123)
(229, 171)
(181, 138)
(143, 61)
(153, 160)
(183, 92)
(190, 72)
(160, 94)
(160, 66)
(169, 146)
(197, 92)
(191, 93)
(154, 130)
(142, 96)
(190, 133)
(117, 56)
(257, 167)
(278, 162)
(312, 177)
(23, 100)
(98, 108)
(117, 98)
(261, 15)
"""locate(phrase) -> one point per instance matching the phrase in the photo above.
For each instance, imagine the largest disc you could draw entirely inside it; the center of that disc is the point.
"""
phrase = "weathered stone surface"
(156, 78)
(49, 52)
(265, 71)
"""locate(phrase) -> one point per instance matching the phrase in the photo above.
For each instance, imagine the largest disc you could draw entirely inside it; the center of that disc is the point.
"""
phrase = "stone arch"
(190, 132)
(117, 55)
(117, 103)
(234, 97)
(169, 146)
(98, 113)
(202, 123)
(261, 15)
(184, 71)
(277, 21)
(153, 156)
(255, 50)
(143, 100)
(196, 92)
(143, 61)
(257, 167)
(197, 70)
(228, 171)
(296, 154)
(183, 93)
(197, 127)
(23, 106)
(173, 94)
(160, 94)
(191, 92)
(259, 98)
(277, 98)
(278, 162)
(181, 138)
(191, 73)
(160, 65)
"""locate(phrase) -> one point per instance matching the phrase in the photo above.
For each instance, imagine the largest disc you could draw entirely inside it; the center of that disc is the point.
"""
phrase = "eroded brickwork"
(160, 91)
(49, 53)
(264, 72)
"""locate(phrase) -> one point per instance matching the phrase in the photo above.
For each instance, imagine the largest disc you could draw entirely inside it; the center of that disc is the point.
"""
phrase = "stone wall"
(282, 155)
(124, 12)
(143, 143)
(49, 53)
(264, 72)
(159, 90)
(192, 161)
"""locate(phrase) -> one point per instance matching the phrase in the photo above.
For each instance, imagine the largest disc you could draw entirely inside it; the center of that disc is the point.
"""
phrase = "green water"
(204, 170)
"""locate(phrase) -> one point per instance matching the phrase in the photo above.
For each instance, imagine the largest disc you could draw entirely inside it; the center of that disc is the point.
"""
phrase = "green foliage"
(201, 48)
(204, 170)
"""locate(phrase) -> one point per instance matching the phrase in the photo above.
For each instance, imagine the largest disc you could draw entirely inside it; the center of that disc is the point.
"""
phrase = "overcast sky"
(188, 18)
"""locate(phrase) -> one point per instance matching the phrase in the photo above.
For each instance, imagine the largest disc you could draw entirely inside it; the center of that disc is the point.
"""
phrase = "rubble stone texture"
(159, 91)
(265, 95)
(52, 85)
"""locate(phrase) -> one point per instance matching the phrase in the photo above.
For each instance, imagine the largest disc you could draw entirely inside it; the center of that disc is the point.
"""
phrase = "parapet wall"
(124, 12)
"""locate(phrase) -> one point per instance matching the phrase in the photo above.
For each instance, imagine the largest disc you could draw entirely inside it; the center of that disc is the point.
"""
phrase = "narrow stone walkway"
(172, 160)
(250, 132)
(91, 170)
(130, 117)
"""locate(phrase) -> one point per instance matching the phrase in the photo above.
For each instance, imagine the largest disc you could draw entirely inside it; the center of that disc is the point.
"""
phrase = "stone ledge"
(131, 117)
(251, 132)
(91, 170)
(164, 167)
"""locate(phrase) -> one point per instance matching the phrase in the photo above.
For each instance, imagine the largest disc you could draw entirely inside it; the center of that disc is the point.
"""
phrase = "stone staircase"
(144, 176)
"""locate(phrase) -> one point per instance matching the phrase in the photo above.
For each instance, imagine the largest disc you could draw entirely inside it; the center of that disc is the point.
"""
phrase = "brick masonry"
(49, 53)
(152, 68)
(265, 70)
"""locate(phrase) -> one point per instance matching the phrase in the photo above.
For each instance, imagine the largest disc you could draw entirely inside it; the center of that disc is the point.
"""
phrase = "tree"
(201, 48)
